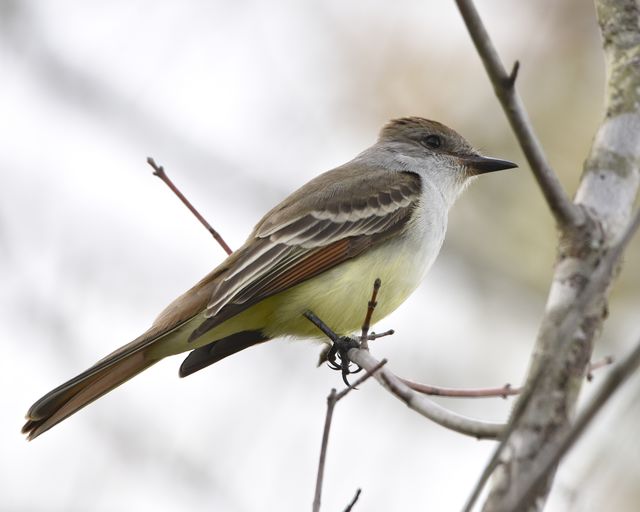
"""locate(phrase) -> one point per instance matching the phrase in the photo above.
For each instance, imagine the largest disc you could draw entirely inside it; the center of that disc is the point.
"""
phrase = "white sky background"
(242, 102)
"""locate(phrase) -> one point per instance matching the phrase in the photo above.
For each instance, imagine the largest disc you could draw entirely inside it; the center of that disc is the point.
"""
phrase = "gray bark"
(573, 320)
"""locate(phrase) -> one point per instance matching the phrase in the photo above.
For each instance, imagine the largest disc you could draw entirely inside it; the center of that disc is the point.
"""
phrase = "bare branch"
(332, 400)
(331, 403)
(353, 501)
(564, 211)
(159, 171)
(501, 392)
(375, 336)
(371, 306)
(592, 367)
(424, 406)
(426, 389)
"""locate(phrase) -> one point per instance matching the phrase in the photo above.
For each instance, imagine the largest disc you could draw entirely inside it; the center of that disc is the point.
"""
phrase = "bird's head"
(436, 152)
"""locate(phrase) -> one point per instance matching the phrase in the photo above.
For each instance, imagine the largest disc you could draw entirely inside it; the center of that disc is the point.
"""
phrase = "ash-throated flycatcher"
(381, 215)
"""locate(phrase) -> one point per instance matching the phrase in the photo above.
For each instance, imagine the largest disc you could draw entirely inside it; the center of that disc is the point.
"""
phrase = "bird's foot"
(338, 356)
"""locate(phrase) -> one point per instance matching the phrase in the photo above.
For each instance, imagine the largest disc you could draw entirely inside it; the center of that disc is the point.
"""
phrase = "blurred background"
(243, 102)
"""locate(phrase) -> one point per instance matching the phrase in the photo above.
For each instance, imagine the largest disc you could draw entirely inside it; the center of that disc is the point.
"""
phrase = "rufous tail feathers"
(80, 391)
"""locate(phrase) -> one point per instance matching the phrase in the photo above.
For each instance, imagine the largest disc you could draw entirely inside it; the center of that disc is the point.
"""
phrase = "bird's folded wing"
(296, 241)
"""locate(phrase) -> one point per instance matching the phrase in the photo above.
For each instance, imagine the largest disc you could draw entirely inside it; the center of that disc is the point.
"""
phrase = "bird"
(382, 215)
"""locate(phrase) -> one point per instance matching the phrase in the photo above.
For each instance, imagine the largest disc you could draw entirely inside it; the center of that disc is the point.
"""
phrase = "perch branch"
(415, 401)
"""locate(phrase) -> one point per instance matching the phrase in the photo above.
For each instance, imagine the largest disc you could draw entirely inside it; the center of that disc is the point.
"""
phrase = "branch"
(424, 406)
(159, 171)
(564, 211)
(361, 357)
(332, 400)
(501, 392)
(353, 501)
(426, 389)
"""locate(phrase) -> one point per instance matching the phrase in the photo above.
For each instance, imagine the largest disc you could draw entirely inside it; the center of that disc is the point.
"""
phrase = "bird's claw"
(338, 358)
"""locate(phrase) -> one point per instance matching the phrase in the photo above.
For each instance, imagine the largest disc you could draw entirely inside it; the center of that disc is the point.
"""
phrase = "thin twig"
(426, 389)
(564, 211)
(159, 171)
(331, 403)
(501, 392)
(511, 82)
(592, 367)
(332, 400)
(353, 501)
(375, 336)
(371, 306)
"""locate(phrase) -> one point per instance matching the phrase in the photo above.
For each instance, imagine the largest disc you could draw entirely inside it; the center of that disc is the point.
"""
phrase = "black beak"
(484, 164)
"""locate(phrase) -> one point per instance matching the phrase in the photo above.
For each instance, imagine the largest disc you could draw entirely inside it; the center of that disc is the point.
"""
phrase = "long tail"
(73, 395)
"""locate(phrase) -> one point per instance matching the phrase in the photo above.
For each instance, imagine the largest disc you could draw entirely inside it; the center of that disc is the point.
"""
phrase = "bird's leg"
(338, 356)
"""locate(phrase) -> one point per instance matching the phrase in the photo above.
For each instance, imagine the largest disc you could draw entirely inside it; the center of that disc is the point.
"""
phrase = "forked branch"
(564, 211)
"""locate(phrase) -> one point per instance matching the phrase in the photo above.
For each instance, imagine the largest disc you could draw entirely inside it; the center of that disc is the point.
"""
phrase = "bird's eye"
(432, 141)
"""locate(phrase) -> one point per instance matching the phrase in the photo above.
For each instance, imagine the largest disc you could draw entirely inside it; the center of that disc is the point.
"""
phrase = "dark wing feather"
(307, 241)
(213, 352)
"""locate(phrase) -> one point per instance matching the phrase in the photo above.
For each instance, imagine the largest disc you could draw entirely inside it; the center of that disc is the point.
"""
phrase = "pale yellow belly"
(340, 296)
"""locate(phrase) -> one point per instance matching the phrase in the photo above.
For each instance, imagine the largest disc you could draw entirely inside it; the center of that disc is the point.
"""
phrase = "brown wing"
(294, 243)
